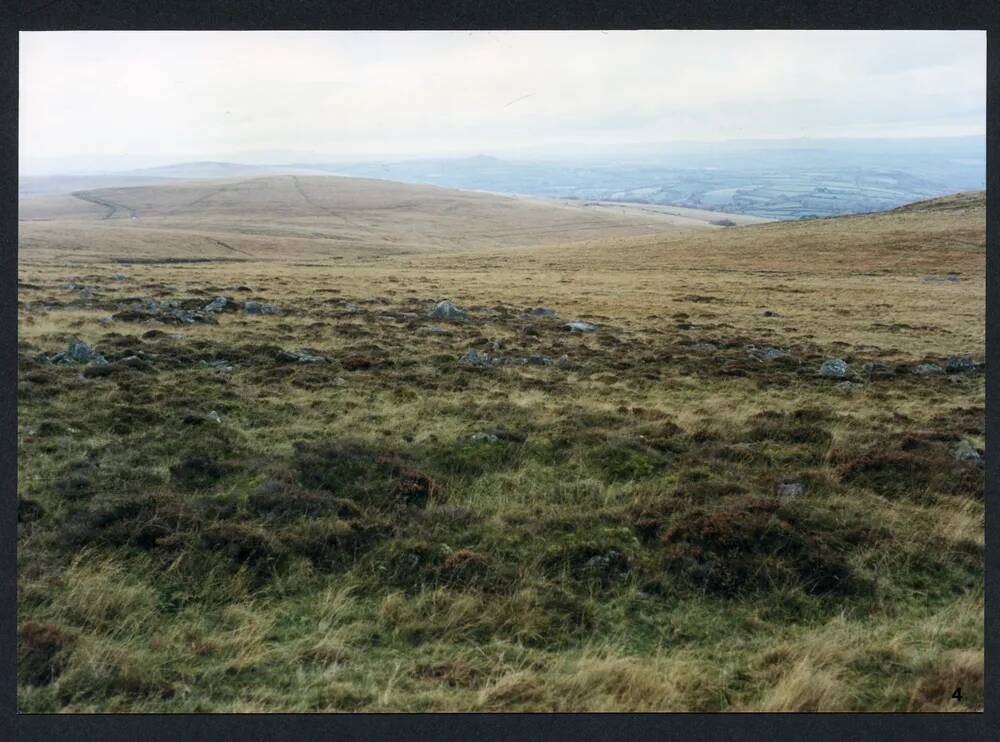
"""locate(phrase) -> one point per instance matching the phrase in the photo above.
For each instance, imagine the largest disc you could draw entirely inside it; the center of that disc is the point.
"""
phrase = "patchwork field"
(311, 495)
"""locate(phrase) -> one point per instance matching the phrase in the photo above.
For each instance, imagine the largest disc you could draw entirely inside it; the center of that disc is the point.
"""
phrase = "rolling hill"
(329, 216)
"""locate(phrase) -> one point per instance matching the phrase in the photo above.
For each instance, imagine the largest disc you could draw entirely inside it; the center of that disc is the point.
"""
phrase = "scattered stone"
(578, 325)
(766, 354)
(790, 488)
(951, 277)
(474, 358)
(214, 417)
(542, 312)
(926, 368)
(106, 320)
(447, 310)
(299, 356)
(495, 435)
(563, 361)
(256, 307)
(834, 367)
(968, 453)
(537, 361)
(119, 277)
(769, 313)
(217, 304)
(80, 352)
(959, 364)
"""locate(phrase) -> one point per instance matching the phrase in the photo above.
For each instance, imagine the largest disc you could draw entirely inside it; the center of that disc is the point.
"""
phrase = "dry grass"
(543, 572)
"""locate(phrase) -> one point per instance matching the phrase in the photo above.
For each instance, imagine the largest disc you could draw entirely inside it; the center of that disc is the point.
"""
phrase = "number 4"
(957, 695)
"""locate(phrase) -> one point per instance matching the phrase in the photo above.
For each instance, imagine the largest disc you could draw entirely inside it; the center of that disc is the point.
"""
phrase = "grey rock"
(578, 325)
(80, 352)
(447, 310)
(474, 358)
(563, 361)
(790, 488)
(967, 453)
(924, 369)
(217, 304)
(834, 367)
(538, 360)
(688, 326)
(705, 347)
(256, 307)
(766, 354)
(484, 437)
(214, 417)
(950, 278)
(119, 277)
(959, 364)
(542, 312)
(299, 356)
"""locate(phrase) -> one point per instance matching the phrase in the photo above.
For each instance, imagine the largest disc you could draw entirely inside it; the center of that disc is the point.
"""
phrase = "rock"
(766, 354)
(474, 358)
(537, 361)
(447, 310)
(951, 277)
(847, 386)
(959, 364)
(578, 325)
(563, 361)
(299, 356)
(495, 435)
(80, 352)
(688, 326)
(256, 307)
(214, 417)
(969, 454)
(769, 313)
(834, 367)
(790, 488)
(541, 312)
(926, 368)
(217, 304)
(119, 277)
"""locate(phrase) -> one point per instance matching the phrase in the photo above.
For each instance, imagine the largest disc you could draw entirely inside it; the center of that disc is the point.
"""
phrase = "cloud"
(174, 95)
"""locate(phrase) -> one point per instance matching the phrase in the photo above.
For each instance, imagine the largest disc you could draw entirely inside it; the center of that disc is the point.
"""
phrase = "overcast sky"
(128, 99)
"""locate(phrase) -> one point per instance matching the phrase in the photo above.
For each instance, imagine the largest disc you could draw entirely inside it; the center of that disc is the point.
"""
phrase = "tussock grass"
(629, 542)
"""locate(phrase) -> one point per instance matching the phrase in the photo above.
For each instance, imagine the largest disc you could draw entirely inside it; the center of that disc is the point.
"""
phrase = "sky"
(92, 100)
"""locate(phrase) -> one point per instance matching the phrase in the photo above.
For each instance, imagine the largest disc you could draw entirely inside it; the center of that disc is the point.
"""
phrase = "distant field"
(322, 218)
(673, 512)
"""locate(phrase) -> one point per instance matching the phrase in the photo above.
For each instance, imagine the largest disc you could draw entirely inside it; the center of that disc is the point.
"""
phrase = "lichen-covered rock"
(834, 367)
(447, 310)
(924, 369)
(959, 364)
(579, 325)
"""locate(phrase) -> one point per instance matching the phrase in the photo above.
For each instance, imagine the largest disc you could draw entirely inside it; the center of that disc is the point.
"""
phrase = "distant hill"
(265, 215)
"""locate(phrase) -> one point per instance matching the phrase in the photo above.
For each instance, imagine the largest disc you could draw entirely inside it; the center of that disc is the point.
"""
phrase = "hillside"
(259, 472)
(324, 217)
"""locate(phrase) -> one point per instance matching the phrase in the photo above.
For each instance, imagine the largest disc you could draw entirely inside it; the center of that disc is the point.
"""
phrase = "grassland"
(665, 520)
